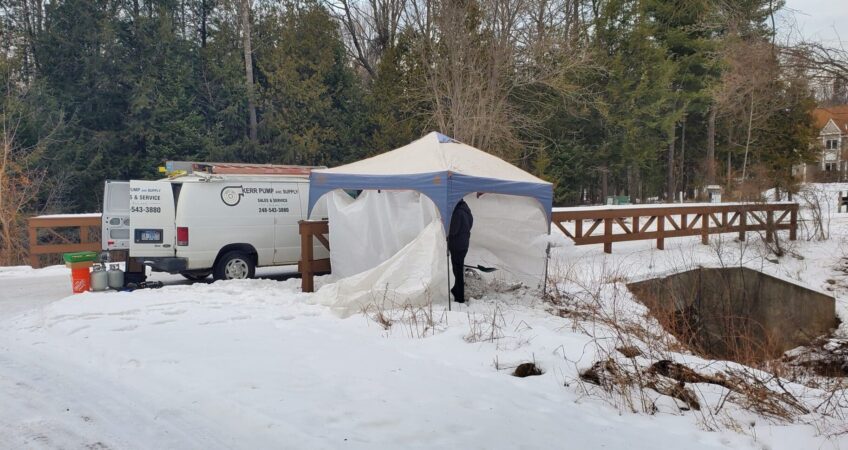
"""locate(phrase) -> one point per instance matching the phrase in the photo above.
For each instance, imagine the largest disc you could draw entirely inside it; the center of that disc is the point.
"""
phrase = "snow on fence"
(62, 233)
(640, 222)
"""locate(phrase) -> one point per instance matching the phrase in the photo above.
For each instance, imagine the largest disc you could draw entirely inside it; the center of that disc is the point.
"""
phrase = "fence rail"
(77, 240)
(633, 223)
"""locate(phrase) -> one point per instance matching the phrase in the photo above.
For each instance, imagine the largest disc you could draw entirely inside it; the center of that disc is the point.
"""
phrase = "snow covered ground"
(253, 364)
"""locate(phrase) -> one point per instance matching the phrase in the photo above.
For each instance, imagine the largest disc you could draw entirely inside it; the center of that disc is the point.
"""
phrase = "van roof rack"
(219, 168)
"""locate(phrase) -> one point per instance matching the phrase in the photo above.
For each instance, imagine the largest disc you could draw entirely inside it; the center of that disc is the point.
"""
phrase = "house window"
(831, 144)
(829, 167)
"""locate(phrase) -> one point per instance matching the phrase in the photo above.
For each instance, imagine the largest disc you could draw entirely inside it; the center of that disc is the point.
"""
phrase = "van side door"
(152, 227)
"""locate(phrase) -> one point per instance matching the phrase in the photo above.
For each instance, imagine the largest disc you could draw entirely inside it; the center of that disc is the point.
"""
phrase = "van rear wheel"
(196, 275)
(235, 266)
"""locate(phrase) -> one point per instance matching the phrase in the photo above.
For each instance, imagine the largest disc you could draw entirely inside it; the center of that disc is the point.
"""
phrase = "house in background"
(832, 123)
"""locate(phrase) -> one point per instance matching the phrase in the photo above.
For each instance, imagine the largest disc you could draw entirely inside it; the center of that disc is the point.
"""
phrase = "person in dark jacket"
(458, 238)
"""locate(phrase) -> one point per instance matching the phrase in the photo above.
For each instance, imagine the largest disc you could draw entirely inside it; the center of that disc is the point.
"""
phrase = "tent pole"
(447, 255)
(547, 262)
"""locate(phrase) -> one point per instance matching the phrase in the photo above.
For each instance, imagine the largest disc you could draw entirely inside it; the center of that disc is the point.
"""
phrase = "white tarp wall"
(510, 234)
(388, 248)
(374, 227)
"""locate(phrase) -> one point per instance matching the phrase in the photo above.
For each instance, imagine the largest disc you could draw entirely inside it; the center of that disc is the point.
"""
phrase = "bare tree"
(744, 97)
(479, 57)
(370, 27)
(21, 183)
(826, 67)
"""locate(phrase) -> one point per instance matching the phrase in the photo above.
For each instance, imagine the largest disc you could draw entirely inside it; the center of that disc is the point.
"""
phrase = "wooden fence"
(608, 224)
(52, 235)
(632, 223)
(308, 266)
(620, 224)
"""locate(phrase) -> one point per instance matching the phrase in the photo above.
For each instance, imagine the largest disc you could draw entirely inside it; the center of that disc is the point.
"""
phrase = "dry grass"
(417, 321)
(486, 327)
(634, 360)
(817, 203)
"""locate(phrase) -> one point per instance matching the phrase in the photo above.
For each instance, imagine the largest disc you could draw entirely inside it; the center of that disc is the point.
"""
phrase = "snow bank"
(251, 364)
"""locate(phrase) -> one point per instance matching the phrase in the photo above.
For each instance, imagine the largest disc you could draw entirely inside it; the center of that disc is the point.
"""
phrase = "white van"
(220, 221)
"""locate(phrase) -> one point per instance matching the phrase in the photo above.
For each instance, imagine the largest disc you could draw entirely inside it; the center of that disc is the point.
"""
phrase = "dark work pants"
(458, 263)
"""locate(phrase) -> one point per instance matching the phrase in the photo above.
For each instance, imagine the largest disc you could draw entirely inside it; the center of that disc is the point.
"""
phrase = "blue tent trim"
(443, 139)
(444, 188)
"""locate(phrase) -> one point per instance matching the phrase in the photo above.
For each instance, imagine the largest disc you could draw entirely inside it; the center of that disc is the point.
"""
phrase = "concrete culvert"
(527, 369)
(737, 313)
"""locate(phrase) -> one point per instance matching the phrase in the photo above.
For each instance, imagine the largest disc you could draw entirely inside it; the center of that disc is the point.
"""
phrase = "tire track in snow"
(48, 408)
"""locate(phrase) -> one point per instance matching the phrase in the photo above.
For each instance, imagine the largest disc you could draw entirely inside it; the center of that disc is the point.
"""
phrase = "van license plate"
(147, 236)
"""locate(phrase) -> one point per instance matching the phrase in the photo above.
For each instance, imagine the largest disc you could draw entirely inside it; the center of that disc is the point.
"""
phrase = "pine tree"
(313, 105)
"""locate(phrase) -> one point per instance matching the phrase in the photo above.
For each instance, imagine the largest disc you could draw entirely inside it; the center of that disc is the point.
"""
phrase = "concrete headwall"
(727, 312)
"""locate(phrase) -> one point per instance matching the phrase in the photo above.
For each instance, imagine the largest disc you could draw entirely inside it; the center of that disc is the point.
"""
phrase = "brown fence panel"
(676, 221)
(46, 238)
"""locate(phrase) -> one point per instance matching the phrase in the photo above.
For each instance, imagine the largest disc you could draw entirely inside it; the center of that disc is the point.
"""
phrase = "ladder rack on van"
(215, 168)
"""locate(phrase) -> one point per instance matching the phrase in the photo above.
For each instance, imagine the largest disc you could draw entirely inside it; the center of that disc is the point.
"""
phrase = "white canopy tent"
(388, 244)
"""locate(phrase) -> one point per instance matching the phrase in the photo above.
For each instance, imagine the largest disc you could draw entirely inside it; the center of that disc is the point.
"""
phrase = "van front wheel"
(235, 266)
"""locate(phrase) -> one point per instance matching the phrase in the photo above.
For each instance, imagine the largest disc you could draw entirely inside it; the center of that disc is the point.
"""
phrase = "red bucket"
(80, 280)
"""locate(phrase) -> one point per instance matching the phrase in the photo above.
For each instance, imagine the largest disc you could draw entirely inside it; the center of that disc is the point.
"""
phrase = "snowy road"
(23, 292)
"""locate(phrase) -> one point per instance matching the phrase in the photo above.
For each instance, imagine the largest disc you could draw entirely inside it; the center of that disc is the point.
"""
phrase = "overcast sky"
(822, 20)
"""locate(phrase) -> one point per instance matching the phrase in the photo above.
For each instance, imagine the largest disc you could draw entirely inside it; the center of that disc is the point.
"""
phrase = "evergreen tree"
(313, 110)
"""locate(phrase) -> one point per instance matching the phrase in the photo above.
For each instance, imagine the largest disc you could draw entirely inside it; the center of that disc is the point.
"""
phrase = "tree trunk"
(684, 182)
(748, 140)
(670, 167)
(248, 66)
(727, 181)
(634, 182)
(711, 166)
(604, 185)
(203, 19)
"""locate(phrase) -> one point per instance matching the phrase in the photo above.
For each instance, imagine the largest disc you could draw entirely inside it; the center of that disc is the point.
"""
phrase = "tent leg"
(447, 254)
(547, 262)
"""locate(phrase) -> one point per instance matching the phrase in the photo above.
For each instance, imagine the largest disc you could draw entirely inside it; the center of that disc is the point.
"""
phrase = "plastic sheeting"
(415, 275)
(510, 234)
(374, 227)
(389, 248)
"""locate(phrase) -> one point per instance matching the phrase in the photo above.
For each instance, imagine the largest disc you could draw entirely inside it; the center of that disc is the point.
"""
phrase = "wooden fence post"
(83, 234)
(743, 224)
(307, 281)
(34, 259)
(705, 227)
(793, 223)
(608, 235)
(661, 232)
(769, 226)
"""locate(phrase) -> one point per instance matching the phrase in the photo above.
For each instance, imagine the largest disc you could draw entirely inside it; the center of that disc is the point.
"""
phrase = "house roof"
(839, 115)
